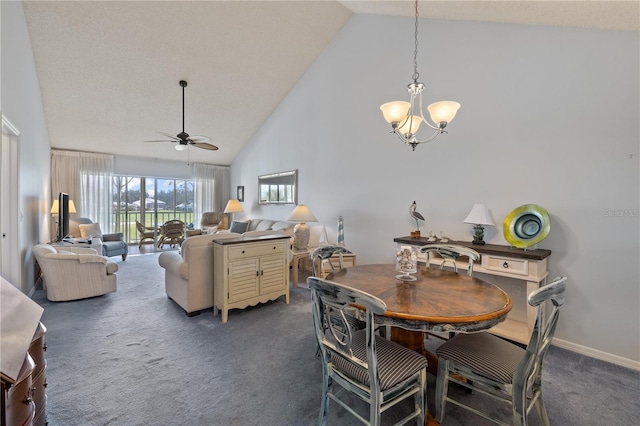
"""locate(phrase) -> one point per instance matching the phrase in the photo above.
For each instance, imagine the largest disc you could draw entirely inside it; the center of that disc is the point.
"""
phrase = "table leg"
(414, 340)
(294, 271)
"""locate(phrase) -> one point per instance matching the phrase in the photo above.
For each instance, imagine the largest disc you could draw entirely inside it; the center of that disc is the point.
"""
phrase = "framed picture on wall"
(240, 194)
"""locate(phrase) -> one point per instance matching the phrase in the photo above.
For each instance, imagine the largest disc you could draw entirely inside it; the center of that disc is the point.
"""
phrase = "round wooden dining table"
(438, 300)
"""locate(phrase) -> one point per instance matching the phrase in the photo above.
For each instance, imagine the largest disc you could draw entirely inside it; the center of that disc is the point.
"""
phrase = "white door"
(9, 248)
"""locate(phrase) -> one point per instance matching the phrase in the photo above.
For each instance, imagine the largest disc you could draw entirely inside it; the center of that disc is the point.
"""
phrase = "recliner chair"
(112, 244)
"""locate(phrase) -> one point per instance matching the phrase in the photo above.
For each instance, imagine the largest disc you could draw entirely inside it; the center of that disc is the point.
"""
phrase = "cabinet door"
(244, 279)
(273, 274)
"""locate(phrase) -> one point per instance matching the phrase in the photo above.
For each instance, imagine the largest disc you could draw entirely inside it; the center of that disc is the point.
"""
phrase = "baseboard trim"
(594, 353)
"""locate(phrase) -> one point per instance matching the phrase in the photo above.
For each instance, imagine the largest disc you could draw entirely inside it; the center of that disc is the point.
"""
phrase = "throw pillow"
(90, 230)
(239, 227)
(209, 229)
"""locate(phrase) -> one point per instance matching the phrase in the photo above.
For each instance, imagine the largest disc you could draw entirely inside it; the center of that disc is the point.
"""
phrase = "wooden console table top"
(256, 239)
(494, 249)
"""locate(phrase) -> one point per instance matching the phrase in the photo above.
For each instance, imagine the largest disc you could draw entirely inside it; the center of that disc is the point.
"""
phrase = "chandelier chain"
(416, 75)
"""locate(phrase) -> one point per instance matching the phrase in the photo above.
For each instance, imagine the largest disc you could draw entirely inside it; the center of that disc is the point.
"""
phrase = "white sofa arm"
(175, 264)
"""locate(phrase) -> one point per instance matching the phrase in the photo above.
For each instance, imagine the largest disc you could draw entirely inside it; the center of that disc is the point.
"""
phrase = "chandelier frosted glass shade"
(395, 112)
(181, 147)
(443, 111)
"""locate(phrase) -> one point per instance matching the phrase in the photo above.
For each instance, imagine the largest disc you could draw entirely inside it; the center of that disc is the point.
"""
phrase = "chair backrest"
(450, 253)
(330, 304)
(173, 228)
(219, 219)
(323, 253)
(543, 329)
(74, 226)
(140, 227)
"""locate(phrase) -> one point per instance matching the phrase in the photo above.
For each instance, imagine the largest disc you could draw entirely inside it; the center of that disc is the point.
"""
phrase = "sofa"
(188, 276)
(77, 274)
(112, 244)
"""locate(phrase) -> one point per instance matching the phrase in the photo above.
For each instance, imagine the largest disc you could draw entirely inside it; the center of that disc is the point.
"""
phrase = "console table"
(72, 244)
(248, 271)
(527, 266)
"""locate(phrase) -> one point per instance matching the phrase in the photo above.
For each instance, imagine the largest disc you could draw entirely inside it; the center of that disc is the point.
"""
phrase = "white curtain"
(211, 191)
(87, 178)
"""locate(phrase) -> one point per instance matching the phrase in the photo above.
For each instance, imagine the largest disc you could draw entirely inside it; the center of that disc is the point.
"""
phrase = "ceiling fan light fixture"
(182, 139)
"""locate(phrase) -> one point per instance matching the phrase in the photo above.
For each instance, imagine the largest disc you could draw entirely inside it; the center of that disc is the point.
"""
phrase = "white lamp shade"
(181, 147)
(395, 112)
(302, 214)
(411, 126)
(55, 207)
(443, 111)
(233, 206)
(480, 215)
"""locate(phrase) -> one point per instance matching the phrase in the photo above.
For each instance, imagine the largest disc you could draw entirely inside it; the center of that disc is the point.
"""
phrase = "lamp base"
(478, 235)
(301, 233)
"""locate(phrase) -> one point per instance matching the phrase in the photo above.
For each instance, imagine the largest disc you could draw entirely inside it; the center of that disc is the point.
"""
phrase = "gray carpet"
(134, 358)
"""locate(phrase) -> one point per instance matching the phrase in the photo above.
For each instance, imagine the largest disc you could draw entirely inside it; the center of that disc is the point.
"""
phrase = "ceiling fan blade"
(163, 140)
(205, 145)
(200, 138)
(170, 136)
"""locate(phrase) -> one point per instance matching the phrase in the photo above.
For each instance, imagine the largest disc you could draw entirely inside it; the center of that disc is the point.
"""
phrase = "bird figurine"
(415, 215)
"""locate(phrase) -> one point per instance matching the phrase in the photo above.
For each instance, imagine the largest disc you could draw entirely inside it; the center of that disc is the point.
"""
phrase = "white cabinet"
(529, 267)
(249, 271)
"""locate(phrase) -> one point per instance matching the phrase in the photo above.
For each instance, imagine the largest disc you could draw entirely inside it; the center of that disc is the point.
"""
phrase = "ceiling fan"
(183, 139)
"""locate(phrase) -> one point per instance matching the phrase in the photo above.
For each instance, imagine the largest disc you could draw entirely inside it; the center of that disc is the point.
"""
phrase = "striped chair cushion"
(395, 363)
(484, 353)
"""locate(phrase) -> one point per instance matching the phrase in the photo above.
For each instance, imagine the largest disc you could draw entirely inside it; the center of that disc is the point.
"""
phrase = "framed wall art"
(240, 193)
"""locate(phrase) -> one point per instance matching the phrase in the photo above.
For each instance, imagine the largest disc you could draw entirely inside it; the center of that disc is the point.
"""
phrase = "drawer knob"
(242, 251)
(505, 265)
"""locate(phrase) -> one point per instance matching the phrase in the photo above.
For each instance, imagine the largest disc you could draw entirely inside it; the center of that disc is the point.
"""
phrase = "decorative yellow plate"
(526, 226)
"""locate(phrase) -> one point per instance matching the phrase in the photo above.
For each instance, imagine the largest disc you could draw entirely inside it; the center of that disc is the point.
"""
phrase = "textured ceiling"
(109, 70)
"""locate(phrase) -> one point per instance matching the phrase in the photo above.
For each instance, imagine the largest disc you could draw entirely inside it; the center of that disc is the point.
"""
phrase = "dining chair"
(451, 253)
(323, 254)
(374, 369)
(501, 369)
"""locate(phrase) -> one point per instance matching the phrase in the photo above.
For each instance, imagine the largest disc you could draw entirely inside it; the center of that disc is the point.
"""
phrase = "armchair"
(147, 233)
(171, 232)
(78, 275)
(218, 221)
(112, 244)
(188, 276)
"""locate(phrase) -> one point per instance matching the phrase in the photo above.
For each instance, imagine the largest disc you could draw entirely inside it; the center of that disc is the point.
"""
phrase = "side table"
(72, 244)
(298, 255)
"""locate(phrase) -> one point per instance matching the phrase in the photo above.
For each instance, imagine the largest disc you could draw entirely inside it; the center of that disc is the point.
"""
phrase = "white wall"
(22, 105)
(549, 116)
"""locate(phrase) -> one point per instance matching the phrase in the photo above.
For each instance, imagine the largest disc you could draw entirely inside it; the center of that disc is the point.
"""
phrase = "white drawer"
(506, 264)
(243, 251)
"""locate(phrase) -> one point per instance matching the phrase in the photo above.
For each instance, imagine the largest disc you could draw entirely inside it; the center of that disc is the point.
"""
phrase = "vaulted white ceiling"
(109, 71)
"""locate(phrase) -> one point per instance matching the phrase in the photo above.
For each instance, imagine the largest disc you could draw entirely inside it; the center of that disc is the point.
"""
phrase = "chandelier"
(405, 117)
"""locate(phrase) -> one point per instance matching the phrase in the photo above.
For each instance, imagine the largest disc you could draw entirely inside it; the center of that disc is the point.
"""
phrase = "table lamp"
(479, 216)
(233, 206)
(301, 232)
(55, 207)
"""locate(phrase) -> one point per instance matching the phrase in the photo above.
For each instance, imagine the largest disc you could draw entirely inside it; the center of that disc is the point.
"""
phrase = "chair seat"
(395, 362)
(485, 354)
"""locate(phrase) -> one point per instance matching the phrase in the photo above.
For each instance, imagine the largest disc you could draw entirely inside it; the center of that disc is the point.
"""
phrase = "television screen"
(63, 215)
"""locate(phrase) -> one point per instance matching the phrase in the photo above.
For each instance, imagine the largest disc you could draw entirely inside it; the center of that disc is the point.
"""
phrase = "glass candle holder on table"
(406, 262)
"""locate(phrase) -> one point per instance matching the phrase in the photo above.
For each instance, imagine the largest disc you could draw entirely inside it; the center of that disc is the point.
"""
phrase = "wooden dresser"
(248, 271)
